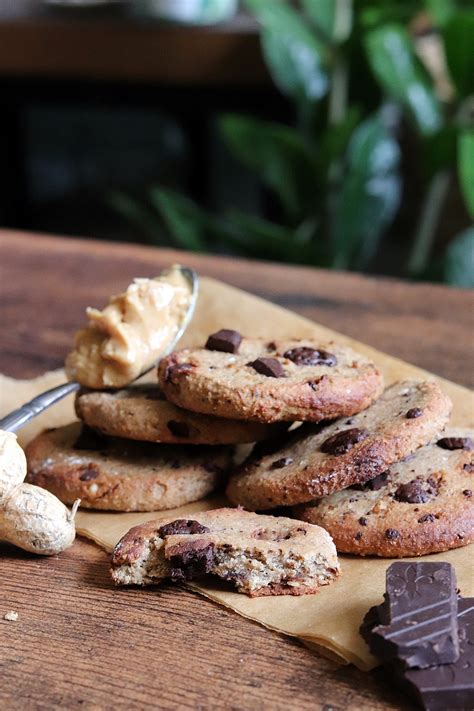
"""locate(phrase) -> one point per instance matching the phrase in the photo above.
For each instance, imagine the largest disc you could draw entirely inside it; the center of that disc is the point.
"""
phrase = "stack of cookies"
(375, 468)
(135, 451)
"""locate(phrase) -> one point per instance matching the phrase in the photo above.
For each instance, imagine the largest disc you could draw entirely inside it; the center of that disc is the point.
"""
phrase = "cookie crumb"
(11, 616)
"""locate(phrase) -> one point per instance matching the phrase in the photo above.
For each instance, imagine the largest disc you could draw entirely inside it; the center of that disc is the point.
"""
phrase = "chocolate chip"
(427, 517)
(90, 473)
(412, 493)
(280, 463)
(342, 442)
(182, 429)
(469, 467)
(271, 367)
(363, 521)
(271, 346)
(263, 534)
(89, 440)
(392, 534)
(300, 530)
(455, 443)
(467, 492)
(310, 356)
(225, 340)
(313, 384)
(182, 526)
(358, 536)
(414, 413)
(176, 371)
(372, 484)
(377, 482)
(191, 562)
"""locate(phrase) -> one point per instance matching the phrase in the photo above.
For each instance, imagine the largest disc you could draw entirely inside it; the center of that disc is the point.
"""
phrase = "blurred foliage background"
(382, 126)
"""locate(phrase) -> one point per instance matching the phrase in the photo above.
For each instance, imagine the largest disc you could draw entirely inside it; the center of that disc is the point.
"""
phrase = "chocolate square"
(417, 622)
(449, 686)
(225, 340)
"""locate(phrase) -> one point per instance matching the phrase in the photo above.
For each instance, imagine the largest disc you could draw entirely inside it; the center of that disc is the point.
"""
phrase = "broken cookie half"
(260, 555)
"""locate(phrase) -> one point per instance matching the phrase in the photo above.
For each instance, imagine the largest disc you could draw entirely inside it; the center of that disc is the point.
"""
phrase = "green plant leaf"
(281, 157)
(188, 224)
(336, 137)
(370, 194)
(268, 240)
(392, 60)
(138, 214)
(259, 237)
(440, 150)
(372, 13)
(459, 260)
(466, 168)
(295, 57)
(322, 13)
(332, 17)
(458, 35)
(441, 11)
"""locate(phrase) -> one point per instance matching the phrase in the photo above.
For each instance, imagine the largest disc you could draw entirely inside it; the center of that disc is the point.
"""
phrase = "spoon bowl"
(16, 419)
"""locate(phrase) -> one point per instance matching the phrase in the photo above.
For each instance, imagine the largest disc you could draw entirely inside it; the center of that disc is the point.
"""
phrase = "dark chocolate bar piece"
(370, 621)
(449, 686)
(417, 622)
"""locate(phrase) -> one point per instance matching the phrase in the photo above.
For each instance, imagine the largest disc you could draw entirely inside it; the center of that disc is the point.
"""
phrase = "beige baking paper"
(330, 619)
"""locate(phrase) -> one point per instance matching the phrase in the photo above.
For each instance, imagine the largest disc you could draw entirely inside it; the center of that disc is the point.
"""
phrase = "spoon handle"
(16, 419)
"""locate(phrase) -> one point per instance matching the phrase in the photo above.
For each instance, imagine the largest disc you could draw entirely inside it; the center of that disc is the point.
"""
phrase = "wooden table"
(78, 643)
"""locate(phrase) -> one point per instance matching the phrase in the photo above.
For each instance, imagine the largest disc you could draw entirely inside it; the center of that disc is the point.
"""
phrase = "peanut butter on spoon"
(129, 334)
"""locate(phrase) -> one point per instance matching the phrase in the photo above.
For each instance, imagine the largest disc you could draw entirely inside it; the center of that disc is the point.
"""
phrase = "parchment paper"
(330, 619)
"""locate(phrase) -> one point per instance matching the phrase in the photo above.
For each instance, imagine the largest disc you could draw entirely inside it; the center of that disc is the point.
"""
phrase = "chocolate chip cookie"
(121, 475)
(259, 555)
(269, 381)
(317, 460)
(141, 412)
(422, 505)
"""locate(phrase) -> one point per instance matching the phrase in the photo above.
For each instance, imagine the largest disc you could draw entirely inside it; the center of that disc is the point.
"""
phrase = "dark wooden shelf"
(114, 44)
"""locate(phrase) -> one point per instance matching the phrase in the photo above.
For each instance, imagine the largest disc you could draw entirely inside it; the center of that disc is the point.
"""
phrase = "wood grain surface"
(78, 642)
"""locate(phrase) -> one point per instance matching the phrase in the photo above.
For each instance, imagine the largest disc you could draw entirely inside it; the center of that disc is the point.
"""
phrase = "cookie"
(121, 475)
(269, 381)
(422, 505)
(259, 555)
(318, 460)
(141, 412)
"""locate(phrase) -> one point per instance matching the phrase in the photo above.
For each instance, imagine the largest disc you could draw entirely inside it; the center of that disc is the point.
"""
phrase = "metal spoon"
(16, 419)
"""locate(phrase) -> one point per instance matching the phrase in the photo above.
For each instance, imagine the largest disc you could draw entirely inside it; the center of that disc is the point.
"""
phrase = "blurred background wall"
(336, 133)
